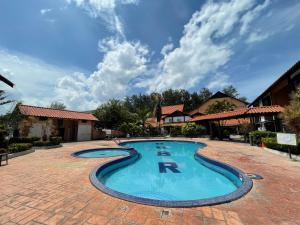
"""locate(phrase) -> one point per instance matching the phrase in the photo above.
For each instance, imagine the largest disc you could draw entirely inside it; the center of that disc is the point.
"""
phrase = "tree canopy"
(57, 105)
(114, 113)
(232, 91)
(220, 106)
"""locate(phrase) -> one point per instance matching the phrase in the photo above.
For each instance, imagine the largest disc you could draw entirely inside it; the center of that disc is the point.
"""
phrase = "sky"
(85, 52)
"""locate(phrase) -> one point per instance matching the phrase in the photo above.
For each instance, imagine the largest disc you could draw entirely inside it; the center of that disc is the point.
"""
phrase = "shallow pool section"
(101, 153)
(170, 174)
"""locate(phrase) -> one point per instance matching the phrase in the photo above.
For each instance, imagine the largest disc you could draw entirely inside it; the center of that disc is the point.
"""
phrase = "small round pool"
(101, 153)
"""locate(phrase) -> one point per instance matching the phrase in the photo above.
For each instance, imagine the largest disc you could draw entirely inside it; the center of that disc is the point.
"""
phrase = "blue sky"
(84, 52)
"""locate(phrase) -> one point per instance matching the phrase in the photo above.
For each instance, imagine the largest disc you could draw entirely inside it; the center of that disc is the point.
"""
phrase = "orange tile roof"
(239, 113)
(234, 122)
(265, 109)
(55, 113)
(171, 108)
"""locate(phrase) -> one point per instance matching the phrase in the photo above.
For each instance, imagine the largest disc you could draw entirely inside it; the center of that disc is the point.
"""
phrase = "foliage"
(18, 147)
(258, 135)
(142, 115)
(3, 150)
(55, 140)
(11, 120)
(192, 130)
(245, 129)
(23, 140)
(175, 131)
(291, 114)
(220, 106)
(226, 133)
(3, 97)
(57, 105)
(3, 134)
(132, 129)
(232, 91)
(113, 113)
(271, 142)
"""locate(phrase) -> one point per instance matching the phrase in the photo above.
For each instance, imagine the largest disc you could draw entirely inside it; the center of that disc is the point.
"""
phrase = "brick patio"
(52, 187)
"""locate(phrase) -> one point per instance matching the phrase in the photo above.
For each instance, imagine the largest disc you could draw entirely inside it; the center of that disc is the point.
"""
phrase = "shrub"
(19, 147)
(175, 131)
(258, 135)
(24, 140)
(192, 130)
(271, 142)
(55, 140)
(226, 133)
(3, 150)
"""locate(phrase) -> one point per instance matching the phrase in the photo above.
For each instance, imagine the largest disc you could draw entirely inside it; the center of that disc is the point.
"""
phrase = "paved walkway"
(52, 187)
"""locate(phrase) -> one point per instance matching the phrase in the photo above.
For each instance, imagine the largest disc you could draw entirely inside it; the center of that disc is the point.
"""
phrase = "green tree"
(113, 113)
(57, 105)
(205, 94)
(192, 130)
(220, 106)
(142, 114)
(232, 91)
(291, 114)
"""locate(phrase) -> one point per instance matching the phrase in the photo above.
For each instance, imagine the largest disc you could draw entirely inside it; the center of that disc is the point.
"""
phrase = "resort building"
(45, 122)
(172, 115)
(217, 97)
(279, 92)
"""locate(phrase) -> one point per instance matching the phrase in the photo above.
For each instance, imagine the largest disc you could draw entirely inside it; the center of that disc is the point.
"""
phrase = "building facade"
(70, 125)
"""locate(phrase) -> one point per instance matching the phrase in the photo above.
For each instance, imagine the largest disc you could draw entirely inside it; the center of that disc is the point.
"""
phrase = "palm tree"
(3, 100)
(143, 114)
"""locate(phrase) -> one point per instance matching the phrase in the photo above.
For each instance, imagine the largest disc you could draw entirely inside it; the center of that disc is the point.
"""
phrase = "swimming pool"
(170, 174)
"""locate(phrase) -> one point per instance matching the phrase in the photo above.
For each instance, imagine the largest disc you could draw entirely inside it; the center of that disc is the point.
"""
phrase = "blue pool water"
(99, 153)
(168, 170)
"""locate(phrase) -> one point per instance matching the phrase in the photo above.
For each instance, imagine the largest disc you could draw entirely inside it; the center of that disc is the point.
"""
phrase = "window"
(266, 101)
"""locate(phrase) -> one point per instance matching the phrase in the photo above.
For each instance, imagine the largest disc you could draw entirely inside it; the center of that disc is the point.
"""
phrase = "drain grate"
(165, 213)
(254, 176)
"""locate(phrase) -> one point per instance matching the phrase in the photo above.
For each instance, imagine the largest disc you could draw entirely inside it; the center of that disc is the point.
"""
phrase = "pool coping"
(241, 191)
(75, 154)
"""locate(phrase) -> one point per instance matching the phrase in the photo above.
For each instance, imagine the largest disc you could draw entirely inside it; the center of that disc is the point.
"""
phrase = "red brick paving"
(52, 187)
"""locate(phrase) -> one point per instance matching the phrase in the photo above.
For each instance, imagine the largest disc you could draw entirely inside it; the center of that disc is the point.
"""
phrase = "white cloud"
(257, 37)
(251, 15)
(220, 80)
(275, 22)
(122, 63)
(106, 9)
(167, 48)
(45, 11)
(204, 47)
(35, 80)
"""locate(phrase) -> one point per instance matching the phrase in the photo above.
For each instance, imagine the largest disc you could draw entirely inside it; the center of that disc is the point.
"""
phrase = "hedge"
(192, 130)
(23, 140)
(55, 140)
(272, 143)
(258, 135)
(18, 147)
(52, 141)
(175, 131)
(3, 150)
